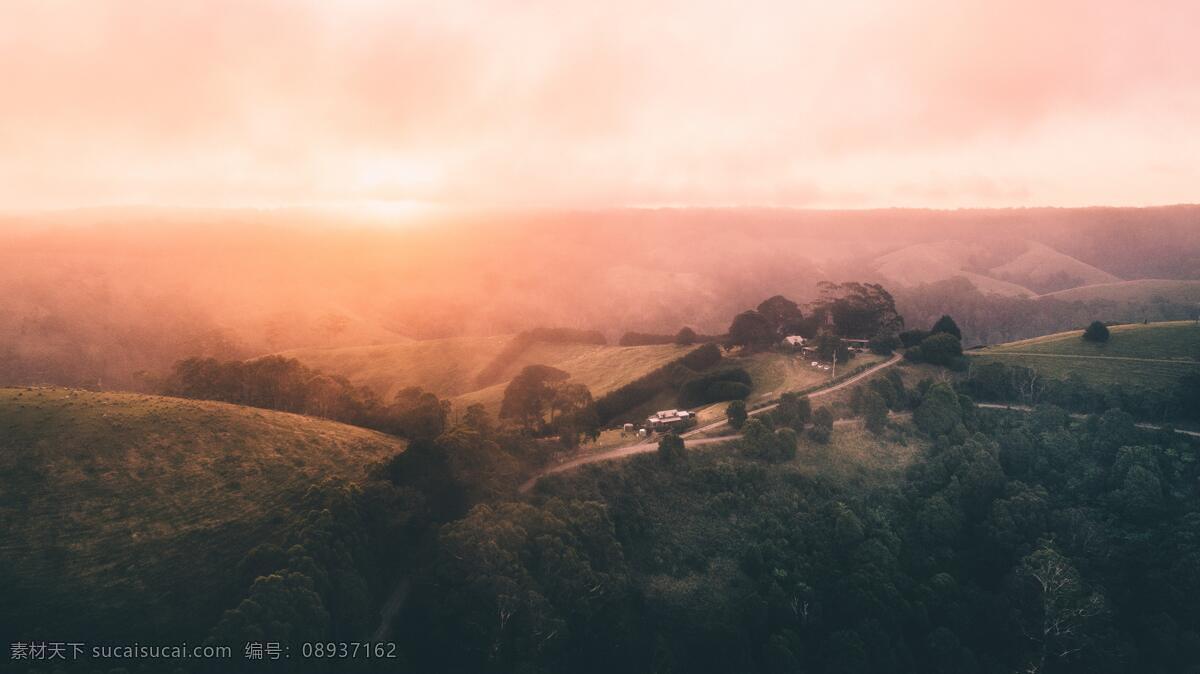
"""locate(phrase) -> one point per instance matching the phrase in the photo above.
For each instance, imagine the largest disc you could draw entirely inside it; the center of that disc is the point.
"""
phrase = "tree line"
(287, 385)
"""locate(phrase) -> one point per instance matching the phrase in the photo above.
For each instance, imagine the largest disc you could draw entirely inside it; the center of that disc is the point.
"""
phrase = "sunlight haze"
(572, 104)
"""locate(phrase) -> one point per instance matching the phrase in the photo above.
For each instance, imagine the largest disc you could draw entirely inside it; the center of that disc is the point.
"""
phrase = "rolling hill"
(133, 505)
(1140, 291)
(1039, 264)
(600, 368)
(938, 261)
(1152, 355)
(445, 367)
(449, 367)
(1018, 268)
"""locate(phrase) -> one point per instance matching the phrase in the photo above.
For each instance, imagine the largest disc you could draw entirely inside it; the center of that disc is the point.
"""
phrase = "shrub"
(731, 384)
(725, 390)
(685, 337)
(736, 413)
(1096, 332)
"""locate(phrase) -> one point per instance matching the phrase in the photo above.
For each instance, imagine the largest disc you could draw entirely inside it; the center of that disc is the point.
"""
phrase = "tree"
(783, 314)
(941, 349)
(281, 607)
(884, 344)
(419, 414)
(761, 442)
(830, 346)
(822, 427)
(860, 310)
(1028, 383)
(1096, 332)
(751, 331)
(1057, 607)
(793, 411)
(939, 413)
(477, 419)
(736, 413)
(911, 338)
(875, 412)
(671, 449)
(568, 398)
(529, 394)
(685, 337)
(946, 325)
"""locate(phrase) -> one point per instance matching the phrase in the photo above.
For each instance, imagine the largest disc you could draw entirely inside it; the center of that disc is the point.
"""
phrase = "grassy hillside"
(1148, 355)
(447, 367)
(141, 505)
(1040, 262)
(1140, 291)
(600, 368)
(938, 261)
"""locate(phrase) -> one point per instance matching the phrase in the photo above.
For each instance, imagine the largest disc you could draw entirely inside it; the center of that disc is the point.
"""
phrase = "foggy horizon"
(397, 107)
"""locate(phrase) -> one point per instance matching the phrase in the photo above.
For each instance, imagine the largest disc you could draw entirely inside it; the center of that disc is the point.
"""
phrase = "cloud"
(569, 103)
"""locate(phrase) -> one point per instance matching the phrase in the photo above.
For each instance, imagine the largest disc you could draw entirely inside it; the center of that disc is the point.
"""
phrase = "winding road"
(690, 436)
(693, 441)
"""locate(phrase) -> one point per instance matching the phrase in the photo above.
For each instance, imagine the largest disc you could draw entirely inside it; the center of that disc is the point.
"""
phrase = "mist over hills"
(107, 298)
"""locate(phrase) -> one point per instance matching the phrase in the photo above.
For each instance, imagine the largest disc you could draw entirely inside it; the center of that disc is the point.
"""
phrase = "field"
(600, 368)
(446, 367)
(449, 367)
(142, 505)
(1150, 355)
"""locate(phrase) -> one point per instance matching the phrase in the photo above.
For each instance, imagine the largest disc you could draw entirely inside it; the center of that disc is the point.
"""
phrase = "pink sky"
(592, 104)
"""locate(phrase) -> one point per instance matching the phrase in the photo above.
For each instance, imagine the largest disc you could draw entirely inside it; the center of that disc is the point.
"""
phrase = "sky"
(525, 103)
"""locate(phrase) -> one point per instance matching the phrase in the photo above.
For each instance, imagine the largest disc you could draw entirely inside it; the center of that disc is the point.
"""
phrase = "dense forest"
(1012, 542)
(919, 533)
(1005, 541)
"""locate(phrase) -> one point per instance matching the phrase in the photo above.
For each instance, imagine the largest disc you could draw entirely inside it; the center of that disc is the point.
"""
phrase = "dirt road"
(690, 436)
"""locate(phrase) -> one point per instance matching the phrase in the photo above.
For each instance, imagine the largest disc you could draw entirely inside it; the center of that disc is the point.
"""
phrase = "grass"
(775, 373)
(136, 504)
(447, 367)
(1149, 355)
(600, 368)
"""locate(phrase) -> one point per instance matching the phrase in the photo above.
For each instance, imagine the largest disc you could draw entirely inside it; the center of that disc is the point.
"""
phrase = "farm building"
(669, 419)
(857, 344)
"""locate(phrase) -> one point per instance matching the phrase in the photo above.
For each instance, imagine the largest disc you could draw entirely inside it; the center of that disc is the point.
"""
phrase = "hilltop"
(1151, 355)
(137, 505)
(1017, 268)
